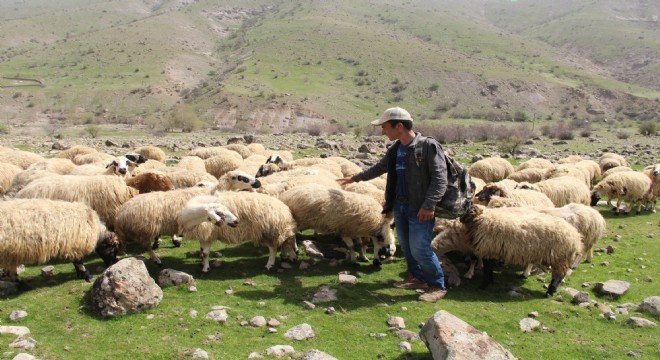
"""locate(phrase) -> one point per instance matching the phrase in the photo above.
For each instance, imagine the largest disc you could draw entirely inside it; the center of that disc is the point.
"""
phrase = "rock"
(330, 310)
(311, 249)
(533, 314)
(650, 305)
(347, 279)
(570, 291)
(396, 322)
(580, 297)
(308, 305)
(405, 346)
(24, 356)
(58, 145)
(47, 271)
(17, 315)
(14, 330)
(218, 315)
(529, 324)
(111, 143)
(192, 288)
(171, 277)
(300, 332)
(639, 322)
(125, 288)
(8, 288)
(192, 314)
(314, 354)
(272, 322)
(258, 321)
(325, 294)
(613, 287)
(279, 351)
(23, 343)
(407, 334)
(255, 355)
(200, 354)
(271, 330)
(448, 337)
(603, 308)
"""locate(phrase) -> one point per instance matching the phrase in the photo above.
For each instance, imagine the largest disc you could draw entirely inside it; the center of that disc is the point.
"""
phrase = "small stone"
(580, 297)
(308, 305)
(200, 354)
(23, 343)
(279, 351)
(407, 334)
(47, 271)
(380, 335)
(640, 322)
(396, 322)
(630, 270)
(304, 265)
(405, 346)
(258, 321)
(17, 315)
(325, 294)
(617, 237)
(605, 263)
(192, 288)
(613, 287)
(216, 264)
(651, 236)
(330, 310)
(192, 314)
(285, 265)
(586, 284)
(533, 314)
(621, 311)
(648, 279)
(632, 354)
(529, 324)
(24, 356)
(248, 283)
(218, 315)
(261, 303)
(150, 316)
(255, 355)
(584, 305)
(244, 323)
(642, 267)
(271, 330)
(14, 330)
(622, 226)
(404, 308)
(347, 279)
(300, 332)
(229, 291)
(273, 322)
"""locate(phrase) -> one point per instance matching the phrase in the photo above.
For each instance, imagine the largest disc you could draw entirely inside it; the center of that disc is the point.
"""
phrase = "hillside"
(271, 66)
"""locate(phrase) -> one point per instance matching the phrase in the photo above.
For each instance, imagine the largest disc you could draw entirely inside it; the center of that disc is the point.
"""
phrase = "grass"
(62, 321)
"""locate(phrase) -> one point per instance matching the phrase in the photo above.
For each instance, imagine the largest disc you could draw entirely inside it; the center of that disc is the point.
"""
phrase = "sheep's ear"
(132, 163)
(113, 163)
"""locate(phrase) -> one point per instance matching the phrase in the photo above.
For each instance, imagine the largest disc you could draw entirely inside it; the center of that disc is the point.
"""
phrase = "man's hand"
(346, 180)
(425, 214)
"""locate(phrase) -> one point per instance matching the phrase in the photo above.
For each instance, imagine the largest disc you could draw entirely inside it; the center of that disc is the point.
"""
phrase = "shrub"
(622, 135)
(92, 130)
(648, 128)
(4, 129)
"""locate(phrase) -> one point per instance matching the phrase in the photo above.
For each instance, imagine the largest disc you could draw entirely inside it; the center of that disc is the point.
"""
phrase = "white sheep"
(218, 165)
(631, 186)
(105, 194)
(20, 158)
(262, 219)
(25, 177)
(451, 237)
(610, 160)
(208, 152)
(241, 149)
(54, 165)
(36, 231)
(592, 168)
(182, 178)
(93, 158)
(572, 159)
(561, 190)
(491, 169)
(7, 173)
(348, 168)
(581, 173)
(530, 175)
(501, 196)
(351, 215)
(615, 169)
(74, 151)
(151, 152)
(191, 163)
(653, 172)
(521, 238)
(535, 163)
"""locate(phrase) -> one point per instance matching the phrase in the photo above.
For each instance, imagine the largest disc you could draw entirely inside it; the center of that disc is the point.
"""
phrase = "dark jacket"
(426, 177)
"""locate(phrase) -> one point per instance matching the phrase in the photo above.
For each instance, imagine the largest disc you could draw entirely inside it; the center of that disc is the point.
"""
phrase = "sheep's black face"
(107, 248)
(595, 197)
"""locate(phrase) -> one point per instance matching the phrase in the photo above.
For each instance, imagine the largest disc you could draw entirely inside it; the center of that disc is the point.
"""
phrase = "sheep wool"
(631, 186)
(20, 158)
(561, 190)
(74, 151)
(491, 169)
(151, 152)
(7, 173)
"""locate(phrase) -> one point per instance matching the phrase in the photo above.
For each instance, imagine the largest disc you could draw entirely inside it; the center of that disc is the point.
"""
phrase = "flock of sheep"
(83, 200)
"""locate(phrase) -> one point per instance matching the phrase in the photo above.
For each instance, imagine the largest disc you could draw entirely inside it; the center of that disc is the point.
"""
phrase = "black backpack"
(457, 199)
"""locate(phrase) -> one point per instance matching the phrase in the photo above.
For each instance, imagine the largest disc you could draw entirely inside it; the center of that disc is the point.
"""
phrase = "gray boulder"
(171, 277)
(650, 305)
(125, 288)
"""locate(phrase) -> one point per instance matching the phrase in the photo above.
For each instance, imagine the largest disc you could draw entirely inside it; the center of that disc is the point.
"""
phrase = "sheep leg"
(473, 264)
(154, 258)
(156, 244)
(272, 252)
(205, 251)
(616, 210)
(639, 206)
(554, 284)
(528, 270)
(81, 271)
(349, 244)
(176, 240)
(363, 250)
(489, 266)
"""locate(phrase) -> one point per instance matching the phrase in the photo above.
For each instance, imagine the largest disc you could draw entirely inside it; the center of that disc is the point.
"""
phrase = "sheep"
(93, 158)
(572, 170)
(535, 163)
(515, 197)
(522, 237)
(263, 220)
(351, 215)
(105, 194)
(450, 238)
(491, 169)
(142, 219)
(182, 178)
(209, 152)
(275, 184)
(5, 148)
(74, 151)
(7, 173)
(478, 183)
(348, 168)
(25, 177)
(570, 159)
(257, 148)
(615, 169)
(653, 172)
(241, 149)
(20, 158)
(151, 152)
(586, 220)
(561, 190)
(218, 165)
(610, 160)
(366, 188)
(36, 231)
(632, 186)
(592, 168)
(275, 164)
(54, 165)
(191, 163)
(237, 180)
(149, 182)
(151, 165)
(530, 175)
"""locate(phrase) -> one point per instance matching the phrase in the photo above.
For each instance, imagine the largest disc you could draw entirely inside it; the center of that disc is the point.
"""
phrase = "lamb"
(65, 230)
(263, 220)
(149, 182)
(508, 198)
(561, 190)
(522, 237)
(104, 194)
(151, 152)
(629, 186)
(20, 158)
(351, 215)
(491, 169)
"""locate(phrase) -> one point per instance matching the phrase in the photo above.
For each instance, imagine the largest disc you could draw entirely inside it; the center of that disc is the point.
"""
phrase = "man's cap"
(395, 113)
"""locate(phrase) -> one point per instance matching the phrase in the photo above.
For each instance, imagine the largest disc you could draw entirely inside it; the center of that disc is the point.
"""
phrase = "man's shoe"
(433, 294)
(411, 283)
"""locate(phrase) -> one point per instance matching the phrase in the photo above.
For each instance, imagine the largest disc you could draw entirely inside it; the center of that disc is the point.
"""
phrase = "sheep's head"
(451, 237)
(267, 169)
(488, 191)
(238, 180)
(384, 247)
(122, 166)
(107, 247)
(595, 197)
(474, 212)
(219, 215)
(656, 170)
(136, 158)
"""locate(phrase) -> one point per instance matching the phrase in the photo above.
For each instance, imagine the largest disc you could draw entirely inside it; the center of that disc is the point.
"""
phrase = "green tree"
(183, 117)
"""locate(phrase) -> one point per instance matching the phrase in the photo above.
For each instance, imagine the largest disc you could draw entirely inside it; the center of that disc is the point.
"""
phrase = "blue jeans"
(415, 240)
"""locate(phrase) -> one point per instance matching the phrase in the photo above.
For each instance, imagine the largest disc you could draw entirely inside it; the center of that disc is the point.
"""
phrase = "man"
(416, 181)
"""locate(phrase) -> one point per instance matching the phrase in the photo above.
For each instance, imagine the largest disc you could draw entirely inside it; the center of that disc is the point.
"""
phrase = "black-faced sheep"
(491, 169)
(105, 194)
(522, 237)
(631, 186)
(351, 215)
(262, 219)
(36, 231)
